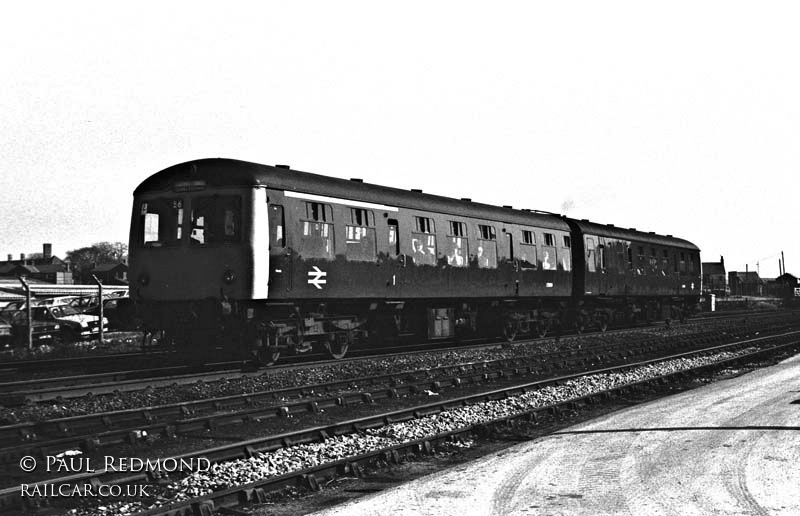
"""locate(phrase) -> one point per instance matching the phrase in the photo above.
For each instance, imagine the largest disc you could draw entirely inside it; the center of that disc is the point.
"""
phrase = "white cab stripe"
(322, 198)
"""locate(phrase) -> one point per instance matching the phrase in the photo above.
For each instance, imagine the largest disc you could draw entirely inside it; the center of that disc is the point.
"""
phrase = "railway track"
(457, 379)
(92, 431)
(65, 387)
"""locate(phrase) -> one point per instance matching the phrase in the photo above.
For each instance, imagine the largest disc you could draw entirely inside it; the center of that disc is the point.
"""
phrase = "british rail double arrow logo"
(317, 277)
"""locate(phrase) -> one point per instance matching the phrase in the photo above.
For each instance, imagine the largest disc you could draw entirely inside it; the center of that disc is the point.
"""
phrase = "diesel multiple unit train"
(268, 260)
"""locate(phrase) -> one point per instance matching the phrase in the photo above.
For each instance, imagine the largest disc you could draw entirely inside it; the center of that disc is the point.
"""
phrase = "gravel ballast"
(287, 378)
(297, 457)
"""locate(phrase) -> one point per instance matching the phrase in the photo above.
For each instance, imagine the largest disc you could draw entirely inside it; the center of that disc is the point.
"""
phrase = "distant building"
(745, 284)
(50, 273)
(44, 267)
(787, 286)
(112, 273)
(715, 281)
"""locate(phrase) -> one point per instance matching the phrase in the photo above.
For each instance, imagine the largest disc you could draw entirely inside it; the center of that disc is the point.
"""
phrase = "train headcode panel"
(265, 260)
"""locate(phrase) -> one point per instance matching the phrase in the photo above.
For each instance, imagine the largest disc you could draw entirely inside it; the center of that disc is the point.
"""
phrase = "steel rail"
(311, 478)
(92, 431)
(45, 389)
(9, 497)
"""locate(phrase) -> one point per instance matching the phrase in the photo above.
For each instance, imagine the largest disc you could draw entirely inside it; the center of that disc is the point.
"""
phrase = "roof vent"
(610, 225)
(416, 190)
(632, 229)
(356, 180)
(584, 220)
(466, 199)
(508, 206)
(651, 232)
(283, 166)
(669, 236)
(526, 209)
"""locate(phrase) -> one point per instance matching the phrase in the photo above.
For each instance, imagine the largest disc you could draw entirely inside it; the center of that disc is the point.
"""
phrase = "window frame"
(178, 226)
(361, 228)
(215, 201)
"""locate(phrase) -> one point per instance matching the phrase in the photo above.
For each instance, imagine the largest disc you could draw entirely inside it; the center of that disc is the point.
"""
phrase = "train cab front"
(196, 255)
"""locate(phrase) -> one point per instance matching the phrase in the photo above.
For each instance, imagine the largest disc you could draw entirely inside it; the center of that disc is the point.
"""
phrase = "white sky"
(676, 117)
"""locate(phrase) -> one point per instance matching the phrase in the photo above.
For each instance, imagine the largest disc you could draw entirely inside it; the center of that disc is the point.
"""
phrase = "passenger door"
(396, 260)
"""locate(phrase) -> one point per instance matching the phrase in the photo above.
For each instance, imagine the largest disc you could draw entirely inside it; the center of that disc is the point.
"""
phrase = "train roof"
(220, 172)
(611, 231)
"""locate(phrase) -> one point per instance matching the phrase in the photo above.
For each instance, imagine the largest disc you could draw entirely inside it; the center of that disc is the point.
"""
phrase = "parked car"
(14, 330)
(74, 325)
(120, 312)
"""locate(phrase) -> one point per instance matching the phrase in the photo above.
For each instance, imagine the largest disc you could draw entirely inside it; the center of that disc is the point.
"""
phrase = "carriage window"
(456, 245)
(316, 234)
(360, 241)
(630, 258)
(549, 258)
(457, 251)
(487, 254)
(566, 257)
(566, 261)
(423, 248)
(486, 232)
(276, 226)
(316, 240)
(161, 222)
(527, 237)
(601, 251)
(458, 229)
(361, 217)
(527, 251)
(215, 219)
(527, 256)
(319, 212)
(682, 263)
(423, 242)
(360, 237)
(591, 253)
(423, 225)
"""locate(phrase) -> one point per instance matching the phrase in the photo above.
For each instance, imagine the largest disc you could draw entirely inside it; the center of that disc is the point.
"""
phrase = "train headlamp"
(229, 276)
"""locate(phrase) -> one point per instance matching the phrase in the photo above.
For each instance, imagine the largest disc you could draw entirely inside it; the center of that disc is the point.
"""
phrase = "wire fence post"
(29, 310)
(100, 298)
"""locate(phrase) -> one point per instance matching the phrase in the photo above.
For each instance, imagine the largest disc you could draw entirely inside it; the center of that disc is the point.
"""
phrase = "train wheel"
(338, 344)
